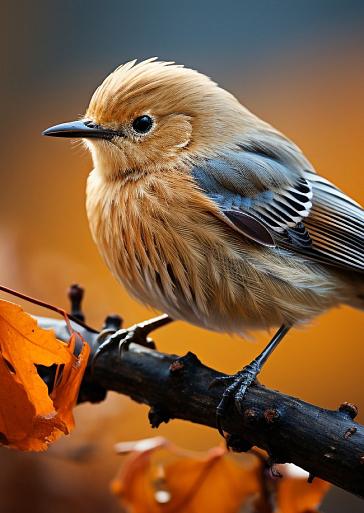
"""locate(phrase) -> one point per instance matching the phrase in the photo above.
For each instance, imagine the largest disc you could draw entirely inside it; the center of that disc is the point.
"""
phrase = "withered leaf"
(29, 417)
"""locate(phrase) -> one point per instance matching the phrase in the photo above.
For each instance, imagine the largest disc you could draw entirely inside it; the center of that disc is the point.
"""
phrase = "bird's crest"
(137, 86)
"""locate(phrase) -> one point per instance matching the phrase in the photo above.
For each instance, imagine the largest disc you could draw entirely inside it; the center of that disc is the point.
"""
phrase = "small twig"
(75, 295)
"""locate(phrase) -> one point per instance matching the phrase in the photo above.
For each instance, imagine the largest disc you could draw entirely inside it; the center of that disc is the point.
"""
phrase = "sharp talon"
(236, 390)
(106, 344)
(219, 380)
(124, 337)
(138, 335)
(219, 425)
(123, 347)
(124, 343)
(239, 398)
(241, 381)
(222, 407)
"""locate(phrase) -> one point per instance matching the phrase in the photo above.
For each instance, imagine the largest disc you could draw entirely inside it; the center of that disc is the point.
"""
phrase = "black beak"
(81, 129)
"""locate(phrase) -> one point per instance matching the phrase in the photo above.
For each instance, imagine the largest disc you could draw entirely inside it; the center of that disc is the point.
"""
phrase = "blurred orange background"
(298, 65)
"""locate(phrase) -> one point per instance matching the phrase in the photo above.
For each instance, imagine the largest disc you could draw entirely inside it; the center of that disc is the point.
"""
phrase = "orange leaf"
(187, 484)
(65, 392)
(159, 477)
(24, 344)
(295, 494)
(29, 418)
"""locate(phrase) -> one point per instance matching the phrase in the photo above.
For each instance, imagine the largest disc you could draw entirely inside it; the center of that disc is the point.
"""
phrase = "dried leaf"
(159, 477)
(65, 392)
(295, 494)
(186, 484)
(29, 418)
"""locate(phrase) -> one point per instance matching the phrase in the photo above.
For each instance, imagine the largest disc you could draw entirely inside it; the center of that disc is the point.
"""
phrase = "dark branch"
(328, 444)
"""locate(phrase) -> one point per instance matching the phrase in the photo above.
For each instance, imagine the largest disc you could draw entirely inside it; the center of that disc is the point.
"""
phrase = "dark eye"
(142, 124)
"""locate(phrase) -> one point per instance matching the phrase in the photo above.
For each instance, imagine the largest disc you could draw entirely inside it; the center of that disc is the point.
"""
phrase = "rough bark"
(328, 444)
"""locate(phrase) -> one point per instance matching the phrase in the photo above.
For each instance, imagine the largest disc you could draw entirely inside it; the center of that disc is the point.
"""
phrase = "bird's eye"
(142, 124)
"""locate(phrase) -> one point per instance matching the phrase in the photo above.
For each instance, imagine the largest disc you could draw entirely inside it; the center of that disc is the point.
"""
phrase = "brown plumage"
(209, 214)
(165, 239)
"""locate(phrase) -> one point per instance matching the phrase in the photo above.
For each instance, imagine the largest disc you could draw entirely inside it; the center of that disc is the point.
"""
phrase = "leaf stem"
(67, 317)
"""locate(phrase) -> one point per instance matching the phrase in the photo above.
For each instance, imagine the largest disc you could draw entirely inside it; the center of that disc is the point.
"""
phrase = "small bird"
(205, 212)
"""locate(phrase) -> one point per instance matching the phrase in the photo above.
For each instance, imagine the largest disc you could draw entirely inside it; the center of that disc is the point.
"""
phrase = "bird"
(206, 212)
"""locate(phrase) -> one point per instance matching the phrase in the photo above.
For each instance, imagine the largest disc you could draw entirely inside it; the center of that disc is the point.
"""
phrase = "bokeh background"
(299, 65)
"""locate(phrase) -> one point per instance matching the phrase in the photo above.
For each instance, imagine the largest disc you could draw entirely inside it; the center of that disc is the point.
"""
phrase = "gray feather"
(254, 186)
(281, 201)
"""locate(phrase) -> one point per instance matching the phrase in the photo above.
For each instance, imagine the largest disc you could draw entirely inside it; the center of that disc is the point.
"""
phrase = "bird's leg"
(239, 382)
(137, 334)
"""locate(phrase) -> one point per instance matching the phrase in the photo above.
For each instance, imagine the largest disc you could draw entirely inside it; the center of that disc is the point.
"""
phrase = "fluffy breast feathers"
(165, 241)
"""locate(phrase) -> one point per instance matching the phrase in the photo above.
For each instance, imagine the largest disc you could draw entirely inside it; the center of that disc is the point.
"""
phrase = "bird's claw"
(237, 389)
(134, 335)
(122, 339)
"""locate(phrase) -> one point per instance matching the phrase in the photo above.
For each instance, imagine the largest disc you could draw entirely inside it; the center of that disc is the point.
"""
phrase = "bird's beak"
(81, 129)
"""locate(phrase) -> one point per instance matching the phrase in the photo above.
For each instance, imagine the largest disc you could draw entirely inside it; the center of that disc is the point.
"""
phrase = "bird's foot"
(134, 335)
(137, 334)
(237, 386)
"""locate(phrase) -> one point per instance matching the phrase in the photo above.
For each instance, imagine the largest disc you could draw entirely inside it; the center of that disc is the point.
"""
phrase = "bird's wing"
(335, 225)
(278, 204)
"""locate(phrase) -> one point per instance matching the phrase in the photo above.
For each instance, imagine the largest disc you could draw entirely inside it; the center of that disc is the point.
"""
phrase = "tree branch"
(328, 444)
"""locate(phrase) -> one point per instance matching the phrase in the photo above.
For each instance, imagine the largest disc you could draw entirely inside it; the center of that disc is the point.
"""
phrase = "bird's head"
(153, 115)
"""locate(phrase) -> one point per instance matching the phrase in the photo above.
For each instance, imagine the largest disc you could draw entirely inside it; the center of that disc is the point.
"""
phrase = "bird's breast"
(161, 238)
(154, 235)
